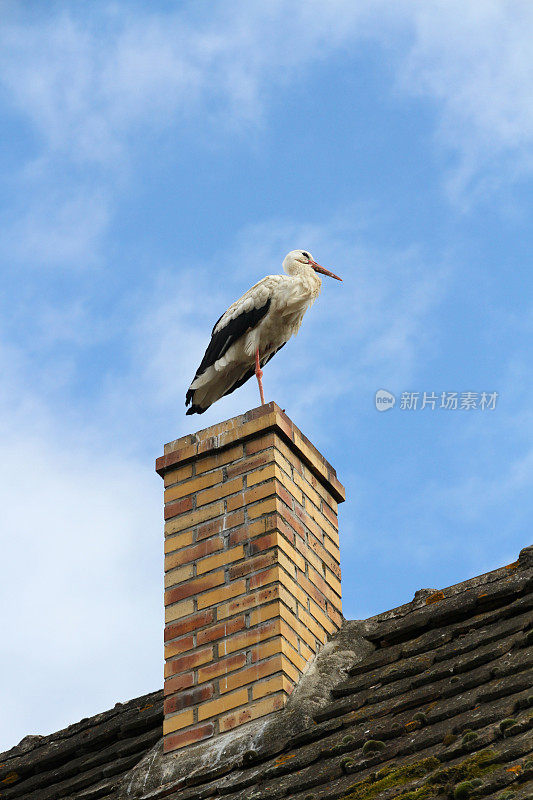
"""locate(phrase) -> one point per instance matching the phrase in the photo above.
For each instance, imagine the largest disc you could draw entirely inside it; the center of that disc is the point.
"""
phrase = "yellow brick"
(264, 474)
(293, 588)
(324, 588)
(298, 627)
(299, 661)
(178, 575)
(327, 592)
(249, 428)
(259, 491)
(270, 648)
(247, 638)
(179, 474)
(334, 537)
(322, 491)
(310, 454)
(260, 708)
(266, 507)
(251, 674)
(218, 492)
(235, 501)
(290, 457)
(306, 652)
(263, 613)
(288, 634)
(332, 580)
(288, 599)
(178, 721)
(219, 595)
(289, 485)
(275, 684)
(266, 576)
(179, 610)
(322, 522)
(194, 485)
(290, 670)
(248, 601)
(307, 489)
(332, 549)
(194, 518)
(322, 618)
(293, 555)
(312, 625)
(282, 462)
(219, 459)
(260, 526)
(212, 562)
(278, 645)
(286, 563)
(221, 704)
(175, 542)
(311, 555)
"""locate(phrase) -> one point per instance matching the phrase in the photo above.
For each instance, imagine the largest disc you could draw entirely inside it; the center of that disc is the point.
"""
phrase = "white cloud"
(88, 83)
(96, 87)
(81, 585)
(475, 62)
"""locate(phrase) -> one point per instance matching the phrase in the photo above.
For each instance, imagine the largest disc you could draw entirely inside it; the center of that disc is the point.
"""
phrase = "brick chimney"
(252, 572)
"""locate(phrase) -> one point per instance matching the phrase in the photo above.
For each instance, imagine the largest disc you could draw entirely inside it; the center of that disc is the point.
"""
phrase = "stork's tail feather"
(194, 409)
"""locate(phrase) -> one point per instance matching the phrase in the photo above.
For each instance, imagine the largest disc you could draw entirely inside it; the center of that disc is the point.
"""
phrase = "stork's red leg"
(259, 375)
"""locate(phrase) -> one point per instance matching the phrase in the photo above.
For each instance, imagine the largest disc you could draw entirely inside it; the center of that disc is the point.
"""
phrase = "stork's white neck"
(307, 277)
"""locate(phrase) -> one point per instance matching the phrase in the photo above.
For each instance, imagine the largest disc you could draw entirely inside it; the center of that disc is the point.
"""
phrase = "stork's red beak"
(318, 268)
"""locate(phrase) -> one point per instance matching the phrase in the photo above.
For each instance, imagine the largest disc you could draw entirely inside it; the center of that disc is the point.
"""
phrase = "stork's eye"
(306, 255)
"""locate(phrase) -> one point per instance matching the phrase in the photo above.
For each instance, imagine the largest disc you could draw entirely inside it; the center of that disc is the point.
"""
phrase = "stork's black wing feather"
(251, 372)
(222, 340)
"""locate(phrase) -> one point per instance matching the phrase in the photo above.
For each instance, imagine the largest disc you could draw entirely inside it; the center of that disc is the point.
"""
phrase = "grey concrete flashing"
(155, 775)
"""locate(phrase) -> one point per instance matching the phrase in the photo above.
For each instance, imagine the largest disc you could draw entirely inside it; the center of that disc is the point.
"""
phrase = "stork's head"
(299, 261)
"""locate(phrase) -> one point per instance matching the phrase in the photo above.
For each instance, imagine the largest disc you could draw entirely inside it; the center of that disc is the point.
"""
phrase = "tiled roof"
(431, 700)
(86, 760)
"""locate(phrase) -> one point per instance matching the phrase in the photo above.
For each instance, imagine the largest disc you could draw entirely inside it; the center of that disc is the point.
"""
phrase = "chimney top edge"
(250, 425)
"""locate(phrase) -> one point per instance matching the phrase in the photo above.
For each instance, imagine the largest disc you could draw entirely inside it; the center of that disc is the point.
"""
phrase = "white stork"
(254, 328)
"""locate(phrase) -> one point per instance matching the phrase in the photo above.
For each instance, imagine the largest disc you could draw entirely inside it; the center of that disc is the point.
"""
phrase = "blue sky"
(157, 160)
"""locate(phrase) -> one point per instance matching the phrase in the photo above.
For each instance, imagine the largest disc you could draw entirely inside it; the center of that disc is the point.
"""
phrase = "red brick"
(323, 554)
(262, 443)
(247, 601)
(221, 631)
(290, 519)
(178, 646)
(191, 661)
(261, 578)
(263, 543)
(252, 565)
(218, 525)
(259, 526)
(179, 682)
(178, 507)
(197, 551)
(194, 587)
(185, 699)
(177, 740)
(261, 411)
(221, 667)
(284, 495)
(309, 588)
(326, 510)
(248, 465)
(189, 624)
